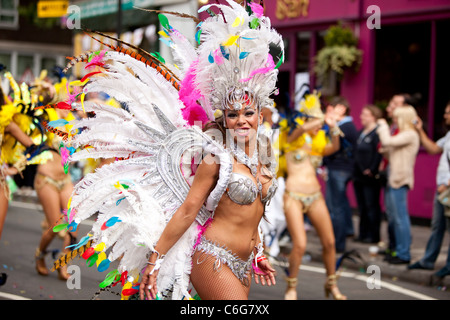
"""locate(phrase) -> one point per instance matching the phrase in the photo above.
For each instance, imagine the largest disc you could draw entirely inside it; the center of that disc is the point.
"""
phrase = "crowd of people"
(33, 157)
(377, 158)
(324, 144)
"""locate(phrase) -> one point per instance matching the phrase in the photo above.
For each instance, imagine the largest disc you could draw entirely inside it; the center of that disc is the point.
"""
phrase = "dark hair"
(342, 101)
(374, 110)
(410, 99)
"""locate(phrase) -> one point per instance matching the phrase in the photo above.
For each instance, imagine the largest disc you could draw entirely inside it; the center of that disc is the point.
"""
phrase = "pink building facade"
(407, 53)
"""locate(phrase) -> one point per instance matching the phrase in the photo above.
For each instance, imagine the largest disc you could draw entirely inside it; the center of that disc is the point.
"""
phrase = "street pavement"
(420, 235)
(363, 258)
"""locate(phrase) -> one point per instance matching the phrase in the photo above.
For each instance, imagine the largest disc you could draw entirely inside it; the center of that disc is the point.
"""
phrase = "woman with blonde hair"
(401, 151)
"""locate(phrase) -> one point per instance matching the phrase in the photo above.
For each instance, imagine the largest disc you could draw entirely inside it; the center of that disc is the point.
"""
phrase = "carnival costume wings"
(157, 141)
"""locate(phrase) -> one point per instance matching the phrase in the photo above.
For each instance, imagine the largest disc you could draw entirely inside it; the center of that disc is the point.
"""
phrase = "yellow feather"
(231, 40)
(238, 21)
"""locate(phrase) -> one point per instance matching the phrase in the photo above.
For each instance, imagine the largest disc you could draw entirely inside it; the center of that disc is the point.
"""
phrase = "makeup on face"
(243, 123)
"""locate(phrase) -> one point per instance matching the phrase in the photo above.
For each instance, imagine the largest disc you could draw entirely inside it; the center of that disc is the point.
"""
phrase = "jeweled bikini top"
(242, 190)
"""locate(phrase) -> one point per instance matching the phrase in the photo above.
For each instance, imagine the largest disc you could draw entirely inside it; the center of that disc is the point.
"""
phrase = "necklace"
(242, 157)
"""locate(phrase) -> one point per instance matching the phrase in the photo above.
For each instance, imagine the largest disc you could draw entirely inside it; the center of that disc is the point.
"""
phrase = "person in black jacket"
(366, 177)
(340, 171)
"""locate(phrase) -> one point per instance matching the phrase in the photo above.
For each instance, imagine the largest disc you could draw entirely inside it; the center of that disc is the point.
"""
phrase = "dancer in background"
(304, 147)
(440, 221)
(14, 123)
(53, 183)
(14, 144)
(339, 166)
(9, 127)
(274, 222)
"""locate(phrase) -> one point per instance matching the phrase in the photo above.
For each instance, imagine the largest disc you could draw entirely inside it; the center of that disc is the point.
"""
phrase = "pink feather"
(257, 9)
(270, 66)
(189, 95)
(96, 60)
(201, 229)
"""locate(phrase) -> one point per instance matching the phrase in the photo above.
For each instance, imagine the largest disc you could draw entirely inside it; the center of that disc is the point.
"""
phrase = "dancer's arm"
(205, 180)
(308, 125)
(430, 146)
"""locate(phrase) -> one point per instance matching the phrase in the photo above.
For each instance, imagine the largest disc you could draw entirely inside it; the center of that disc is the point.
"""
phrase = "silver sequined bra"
(242, 190)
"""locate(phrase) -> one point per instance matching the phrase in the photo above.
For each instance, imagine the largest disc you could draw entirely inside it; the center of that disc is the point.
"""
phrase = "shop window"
(5, 59)
(48, 64)
(302, 75)
(286, 50)
(9, 15)
(402, 65)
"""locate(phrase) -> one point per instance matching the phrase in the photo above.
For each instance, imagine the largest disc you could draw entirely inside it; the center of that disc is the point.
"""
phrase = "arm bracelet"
(157, 264)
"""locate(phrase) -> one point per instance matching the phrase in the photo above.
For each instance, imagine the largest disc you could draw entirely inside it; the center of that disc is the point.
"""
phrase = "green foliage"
(339, 54)
(339, 35)
(337, 58)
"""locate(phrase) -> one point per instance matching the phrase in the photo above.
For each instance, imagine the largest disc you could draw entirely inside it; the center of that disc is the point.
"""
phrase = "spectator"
(366, 178)
(401, 151)
(439, 221)
(398, 100)
(274, 223)
(303, 149)
(340, 169)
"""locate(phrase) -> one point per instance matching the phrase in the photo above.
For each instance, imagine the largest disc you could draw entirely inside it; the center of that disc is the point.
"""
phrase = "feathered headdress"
(238, 57)
(153, 140)
(310, 105)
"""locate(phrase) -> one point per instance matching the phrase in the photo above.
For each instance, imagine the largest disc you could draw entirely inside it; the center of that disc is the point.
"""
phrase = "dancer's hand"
(265, 273)
(330, 119)
(148, 289)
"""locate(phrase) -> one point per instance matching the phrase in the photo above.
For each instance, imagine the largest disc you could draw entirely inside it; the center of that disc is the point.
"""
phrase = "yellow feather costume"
(310, 106)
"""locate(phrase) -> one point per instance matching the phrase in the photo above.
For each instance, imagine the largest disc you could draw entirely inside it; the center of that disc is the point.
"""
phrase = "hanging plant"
(339, 54)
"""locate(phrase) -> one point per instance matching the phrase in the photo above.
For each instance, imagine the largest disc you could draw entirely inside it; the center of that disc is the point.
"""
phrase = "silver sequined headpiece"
(239, 58)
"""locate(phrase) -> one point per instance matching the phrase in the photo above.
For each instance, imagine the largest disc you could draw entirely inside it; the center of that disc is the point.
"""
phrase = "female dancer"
(14, 130)
(233, 232)
(177, 203)
(9, 127)
(366, 178)
(10, 163)
(304, 149)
